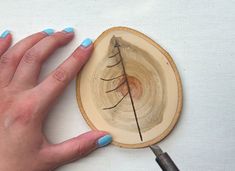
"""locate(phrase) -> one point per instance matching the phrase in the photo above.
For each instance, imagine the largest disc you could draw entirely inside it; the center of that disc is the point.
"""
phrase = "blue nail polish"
(86, 42)
(4, 34)
(69, 30)
(105, 140)
(49, 31)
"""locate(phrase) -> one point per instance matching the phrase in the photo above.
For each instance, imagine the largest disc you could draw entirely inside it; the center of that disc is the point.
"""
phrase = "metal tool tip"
(156, 149)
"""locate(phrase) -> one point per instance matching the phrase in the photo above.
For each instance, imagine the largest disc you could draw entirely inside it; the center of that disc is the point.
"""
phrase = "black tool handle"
(166, 163)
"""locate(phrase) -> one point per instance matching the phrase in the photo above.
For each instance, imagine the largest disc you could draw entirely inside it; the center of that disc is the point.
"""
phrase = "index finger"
(56, 82)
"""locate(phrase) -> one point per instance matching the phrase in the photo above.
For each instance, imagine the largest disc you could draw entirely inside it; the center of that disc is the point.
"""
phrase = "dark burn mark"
(128, 86)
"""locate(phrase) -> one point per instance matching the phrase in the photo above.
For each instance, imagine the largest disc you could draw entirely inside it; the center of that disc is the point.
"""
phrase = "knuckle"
(9, 59)
(30, 57)
(4, 59)
(60, 75)
(79, 150)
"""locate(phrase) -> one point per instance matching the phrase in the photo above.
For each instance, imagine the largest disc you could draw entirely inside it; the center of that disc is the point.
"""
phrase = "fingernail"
(49, 31)
(4, 34)
(105, 140)
(69, 30)
(86, 42)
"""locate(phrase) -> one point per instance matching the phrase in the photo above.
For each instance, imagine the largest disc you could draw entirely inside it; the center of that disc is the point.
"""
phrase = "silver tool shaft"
(163, 159)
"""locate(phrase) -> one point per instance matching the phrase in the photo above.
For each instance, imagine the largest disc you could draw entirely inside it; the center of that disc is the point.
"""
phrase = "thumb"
(77, 147)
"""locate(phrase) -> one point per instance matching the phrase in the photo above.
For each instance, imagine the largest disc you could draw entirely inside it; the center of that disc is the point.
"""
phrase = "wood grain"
(155, 86)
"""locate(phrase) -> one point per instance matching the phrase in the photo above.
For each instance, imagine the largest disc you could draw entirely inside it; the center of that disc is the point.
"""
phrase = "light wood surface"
(153, 80)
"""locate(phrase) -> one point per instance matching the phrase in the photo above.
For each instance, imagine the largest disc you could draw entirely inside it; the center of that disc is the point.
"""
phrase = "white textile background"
(200, 36)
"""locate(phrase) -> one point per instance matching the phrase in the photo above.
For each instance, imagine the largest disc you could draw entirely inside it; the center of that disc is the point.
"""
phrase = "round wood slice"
(130, 88)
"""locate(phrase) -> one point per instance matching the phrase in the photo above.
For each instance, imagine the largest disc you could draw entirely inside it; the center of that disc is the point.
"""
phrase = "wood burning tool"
(163, 159)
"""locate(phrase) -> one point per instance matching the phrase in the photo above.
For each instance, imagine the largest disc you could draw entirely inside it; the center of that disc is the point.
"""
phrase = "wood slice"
(130, 88)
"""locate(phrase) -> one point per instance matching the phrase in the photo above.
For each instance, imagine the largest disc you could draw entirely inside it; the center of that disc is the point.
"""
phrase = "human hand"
(24, 102)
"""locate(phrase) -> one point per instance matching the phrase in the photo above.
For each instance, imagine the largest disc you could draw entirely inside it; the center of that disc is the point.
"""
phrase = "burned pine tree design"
(125, 82)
